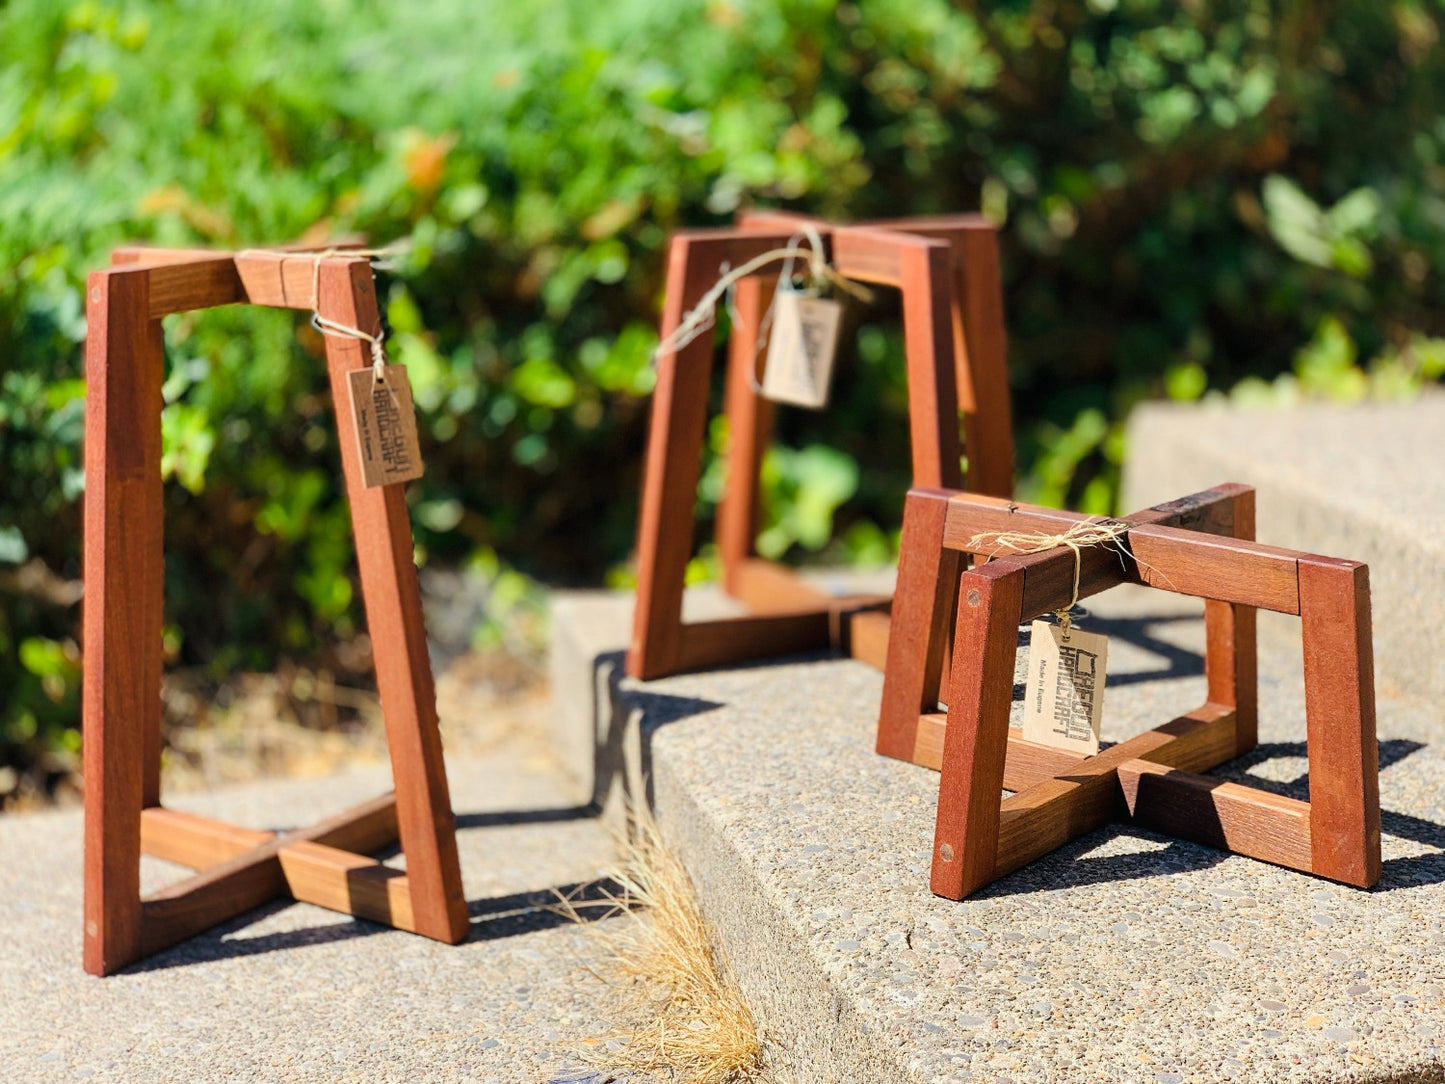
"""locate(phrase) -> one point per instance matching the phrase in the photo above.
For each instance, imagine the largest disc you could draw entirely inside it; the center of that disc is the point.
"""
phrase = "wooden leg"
(922, 607)
(975, 742)
(1231, 652)
(382, 528)
(750, 422)
(982, 363)
(1344, 758)
(980, 345)
(928, 344)
(122, 609)
(669, 492)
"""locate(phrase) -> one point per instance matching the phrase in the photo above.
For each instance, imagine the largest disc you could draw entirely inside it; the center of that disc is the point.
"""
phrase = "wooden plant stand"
(1200, 546)
(239, 869)
(947, 272)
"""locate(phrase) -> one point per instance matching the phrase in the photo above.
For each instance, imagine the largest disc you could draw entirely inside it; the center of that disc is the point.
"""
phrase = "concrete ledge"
(1364, 482)
(1123, 956)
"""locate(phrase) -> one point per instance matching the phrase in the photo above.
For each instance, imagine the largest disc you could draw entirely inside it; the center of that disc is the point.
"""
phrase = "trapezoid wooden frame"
(953, 330)
(1196, 546)
(239, 869)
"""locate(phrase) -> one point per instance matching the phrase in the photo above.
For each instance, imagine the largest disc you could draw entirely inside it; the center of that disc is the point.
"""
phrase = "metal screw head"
(95, 295)
(974, 598)
(946, 852)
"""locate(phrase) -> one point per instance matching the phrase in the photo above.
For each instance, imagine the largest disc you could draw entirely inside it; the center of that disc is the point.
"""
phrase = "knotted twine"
(701, 317)
(1105, 532)
(334, 328)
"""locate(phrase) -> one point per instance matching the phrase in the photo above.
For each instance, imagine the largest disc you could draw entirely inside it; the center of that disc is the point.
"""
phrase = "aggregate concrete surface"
(1124, 956)
(298, 993)
(1365, 481)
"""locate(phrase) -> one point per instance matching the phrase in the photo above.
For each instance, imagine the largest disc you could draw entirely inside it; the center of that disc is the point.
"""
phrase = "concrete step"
(1124, 956)
(1365, 482)
(297, 993)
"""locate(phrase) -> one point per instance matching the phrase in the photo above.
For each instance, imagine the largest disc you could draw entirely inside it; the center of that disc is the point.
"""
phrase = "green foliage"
(1194, 197)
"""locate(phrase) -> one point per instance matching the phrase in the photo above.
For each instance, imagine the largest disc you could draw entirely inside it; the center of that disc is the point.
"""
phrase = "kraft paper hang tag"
(801, 348)
(385, 425)
(1064, 690)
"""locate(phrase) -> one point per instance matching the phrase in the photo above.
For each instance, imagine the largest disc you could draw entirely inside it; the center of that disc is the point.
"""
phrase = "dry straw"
(678, 1009)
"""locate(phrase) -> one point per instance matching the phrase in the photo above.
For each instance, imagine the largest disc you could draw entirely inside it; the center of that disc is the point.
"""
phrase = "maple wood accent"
(122, 627)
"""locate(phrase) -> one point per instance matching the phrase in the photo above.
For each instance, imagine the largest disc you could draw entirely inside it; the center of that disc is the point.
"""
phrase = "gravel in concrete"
(297, 993)
(1365, 482)
(1126, 955)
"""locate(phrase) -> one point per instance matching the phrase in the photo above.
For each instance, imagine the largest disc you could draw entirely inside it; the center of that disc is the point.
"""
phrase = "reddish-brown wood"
(980, 346)
(122, 628)
(701, 644)
(749, 421)
(914, 682)
(980, 342)
(933, 414)
(1336, 834)
(343, 881)
(766, 587)
(1228, 816)
(922, 270)
(1344, 758)
(1027, 763)
(1230, 653)
(980, 392)
(121, 614)
(381, 525)
(865, 637)
(926, 586)
(975, 743)
(1086, 796)
(197, 842)
(674, 448)
(251, 878)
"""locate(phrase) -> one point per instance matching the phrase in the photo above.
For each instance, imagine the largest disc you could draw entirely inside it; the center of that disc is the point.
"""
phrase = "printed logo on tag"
(385, 422)
(1064, 692)
(801, 348)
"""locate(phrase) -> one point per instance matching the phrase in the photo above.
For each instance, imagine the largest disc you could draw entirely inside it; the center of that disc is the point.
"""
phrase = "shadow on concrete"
(492, 918)
(640, 708)
(1071, 866)
(650, 711)
(221, 943)
(529, 912)
(1178, 662)
(507, 818)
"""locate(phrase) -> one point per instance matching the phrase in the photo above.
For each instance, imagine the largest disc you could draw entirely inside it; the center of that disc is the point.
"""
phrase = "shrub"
(1191, 195)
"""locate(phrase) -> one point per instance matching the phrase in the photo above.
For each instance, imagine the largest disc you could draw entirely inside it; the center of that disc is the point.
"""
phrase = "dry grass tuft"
(679, 1009)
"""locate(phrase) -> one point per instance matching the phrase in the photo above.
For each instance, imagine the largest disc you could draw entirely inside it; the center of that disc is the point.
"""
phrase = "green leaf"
(13, 550)
(542, 382)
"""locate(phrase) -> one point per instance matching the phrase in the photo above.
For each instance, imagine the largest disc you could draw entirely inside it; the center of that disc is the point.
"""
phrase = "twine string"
(325, 325)
(1085, 533)
(701, 317)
